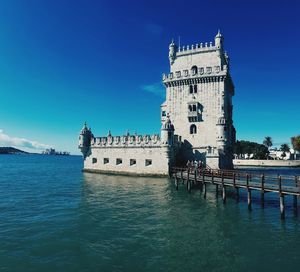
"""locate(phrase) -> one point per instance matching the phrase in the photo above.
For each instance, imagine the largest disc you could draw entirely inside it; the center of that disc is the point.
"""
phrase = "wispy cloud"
(154, 29)
(6, 140)
(155, 88)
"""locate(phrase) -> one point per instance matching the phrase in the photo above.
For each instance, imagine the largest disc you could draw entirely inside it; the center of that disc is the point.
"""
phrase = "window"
(193, 129)
(194, 108)
(119, 161)
(195, 88)
(163, 113)
(94, 160)
(148, 162)
(194, 70)
(190, 108)
(105, 160)
(132, 162)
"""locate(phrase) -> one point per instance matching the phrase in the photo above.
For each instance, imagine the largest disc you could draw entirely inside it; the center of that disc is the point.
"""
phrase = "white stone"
(199, 104)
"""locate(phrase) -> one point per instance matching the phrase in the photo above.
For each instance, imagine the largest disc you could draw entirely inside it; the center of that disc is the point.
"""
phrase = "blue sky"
(64, 62)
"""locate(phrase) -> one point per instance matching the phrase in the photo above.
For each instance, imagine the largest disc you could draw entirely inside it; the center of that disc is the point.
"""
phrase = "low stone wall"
(143, 161)
(267, 163)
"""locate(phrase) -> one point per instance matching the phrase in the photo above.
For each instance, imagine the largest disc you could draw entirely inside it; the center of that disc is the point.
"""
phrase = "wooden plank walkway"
(201, 177)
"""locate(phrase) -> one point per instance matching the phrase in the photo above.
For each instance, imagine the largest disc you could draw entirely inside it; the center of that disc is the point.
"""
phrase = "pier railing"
(201, 176)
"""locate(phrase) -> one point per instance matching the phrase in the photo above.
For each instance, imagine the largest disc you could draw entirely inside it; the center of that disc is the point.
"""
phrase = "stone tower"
(199, 92)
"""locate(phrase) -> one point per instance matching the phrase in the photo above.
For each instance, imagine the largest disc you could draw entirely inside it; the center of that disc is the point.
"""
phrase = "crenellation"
(127, 141)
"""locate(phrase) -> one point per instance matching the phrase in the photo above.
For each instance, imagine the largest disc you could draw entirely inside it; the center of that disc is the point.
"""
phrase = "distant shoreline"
(266, 163)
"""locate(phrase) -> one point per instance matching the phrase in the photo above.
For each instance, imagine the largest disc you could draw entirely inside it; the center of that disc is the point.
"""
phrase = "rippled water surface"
(55, 218)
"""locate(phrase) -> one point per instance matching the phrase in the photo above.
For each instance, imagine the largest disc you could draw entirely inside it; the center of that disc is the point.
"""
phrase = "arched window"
(194, 70)
(193, 129)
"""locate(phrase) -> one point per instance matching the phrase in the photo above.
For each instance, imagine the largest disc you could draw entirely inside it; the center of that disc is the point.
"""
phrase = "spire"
(219, 35)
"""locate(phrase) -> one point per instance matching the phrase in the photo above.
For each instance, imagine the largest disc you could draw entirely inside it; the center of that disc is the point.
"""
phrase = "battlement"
(135, 140)
(197, 48)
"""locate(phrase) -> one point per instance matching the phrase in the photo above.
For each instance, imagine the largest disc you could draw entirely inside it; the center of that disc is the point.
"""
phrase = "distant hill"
(11, 150)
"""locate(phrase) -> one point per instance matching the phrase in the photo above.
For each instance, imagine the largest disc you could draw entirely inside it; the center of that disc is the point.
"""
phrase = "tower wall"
(199, 94)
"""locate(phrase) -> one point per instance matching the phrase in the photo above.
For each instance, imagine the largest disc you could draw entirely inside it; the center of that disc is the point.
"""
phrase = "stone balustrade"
(127, 141)
(202, 72)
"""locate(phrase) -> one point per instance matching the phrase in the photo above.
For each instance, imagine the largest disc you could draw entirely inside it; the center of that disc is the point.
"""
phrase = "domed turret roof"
(84, 129)
(219, 35)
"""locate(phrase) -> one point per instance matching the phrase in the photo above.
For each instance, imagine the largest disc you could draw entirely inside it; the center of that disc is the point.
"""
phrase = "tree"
(296, 143)
(285, 148)
(259, 151)
(268, 142)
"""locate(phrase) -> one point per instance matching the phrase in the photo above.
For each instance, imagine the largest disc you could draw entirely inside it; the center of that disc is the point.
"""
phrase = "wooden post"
(223, 189)
(262, 195)
(176, 183)
(281, 199)
(249, 200)
(249, 194)
(204, 189)
(217, 190)
(195, 176)
(188, 179)
(189, 186)
(282, 211)
(181, 174)
(234, 181)
(295, 205)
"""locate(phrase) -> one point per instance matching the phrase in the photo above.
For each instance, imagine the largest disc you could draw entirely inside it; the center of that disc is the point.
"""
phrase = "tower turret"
(167, 132)
(172, 52)
(85, 138)
(219, 40)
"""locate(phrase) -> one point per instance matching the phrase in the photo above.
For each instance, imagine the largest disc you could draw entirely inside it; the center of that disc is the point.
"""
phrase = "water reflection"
(136, 223)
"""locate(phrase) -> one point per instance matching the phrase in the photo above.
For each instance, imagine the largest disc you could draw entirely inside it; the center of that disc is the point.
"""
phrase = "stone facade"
(199, 94)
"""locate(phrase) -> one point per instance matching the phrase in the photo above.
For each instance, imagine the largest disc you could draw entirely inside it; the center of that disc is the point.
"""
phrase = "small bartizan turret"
(85, 138)
(172, 52)
(167, 132)
(219, 40)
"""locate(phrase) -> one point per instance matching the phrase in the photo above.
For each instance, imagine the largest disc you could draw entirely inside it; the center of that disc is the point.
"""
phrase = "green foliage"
(296, 143)
(285, 148)
(268, 142)
(259, 151)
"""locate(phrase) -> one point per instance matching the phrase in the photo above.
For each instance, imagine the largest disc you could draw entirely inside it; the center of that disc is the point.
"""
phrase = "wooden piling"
(249, 193)
(188, 185)
(295, 204)
(176, 183)
(181, 175)
(204, 189)
(223, 189)
(281, 198)
(262, 194)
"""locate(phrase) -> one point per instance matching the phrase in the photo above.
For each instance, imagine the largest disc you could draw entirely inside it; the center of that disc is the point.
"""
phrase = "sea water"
(53, 217)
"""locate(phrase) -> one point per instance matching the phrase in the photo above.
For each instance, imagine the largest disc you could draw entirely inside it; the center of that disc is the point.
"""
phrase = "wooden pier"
(221, 179)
